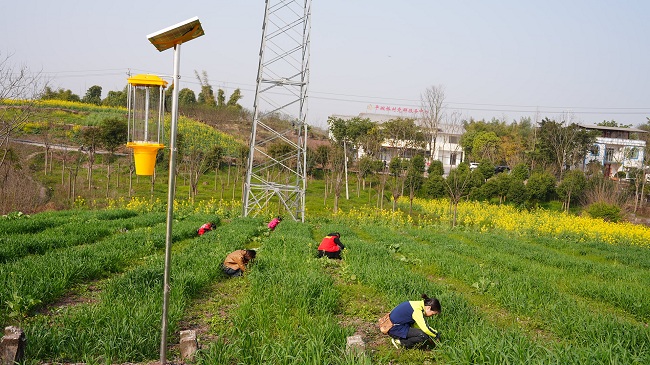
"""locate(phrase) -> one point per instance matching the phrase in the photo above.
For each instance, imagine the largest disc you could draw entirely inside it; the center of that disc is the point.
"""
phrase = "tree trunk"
(63, 174)
(108, 179)
(45, 165)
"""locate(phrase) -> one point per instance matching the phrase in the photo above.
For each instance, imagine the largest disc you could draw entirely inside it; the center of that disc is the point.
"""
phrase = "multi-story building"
(444, 146)
(617, 149)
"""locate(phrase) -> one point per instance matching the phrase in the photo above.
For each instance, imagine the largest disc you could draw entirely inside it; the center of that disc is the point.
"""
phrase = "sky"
(585, 61)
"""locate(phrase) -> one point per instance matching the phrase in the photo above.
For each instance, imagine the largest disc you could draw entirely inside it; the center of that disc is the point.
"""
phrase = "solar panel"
(176, 34)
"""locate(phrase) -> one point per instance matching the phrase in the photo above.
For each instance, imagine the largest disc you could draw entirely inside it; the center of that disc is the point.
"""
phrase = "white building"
(615, 149)
(444, 146)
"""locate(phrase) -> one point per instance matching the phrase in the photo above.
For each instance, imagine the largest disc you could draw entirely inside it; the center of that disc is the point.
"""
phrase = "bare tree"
(563, 144)
(457, 185)
(16, 83)
(337, 161)
(450, 147)
(432, 100)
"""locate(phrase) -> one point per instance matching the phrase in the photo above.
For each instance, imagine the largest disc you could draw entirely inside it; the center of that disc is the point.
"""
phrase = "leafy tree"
(612, 123)
(337, 161)
(564, 146)
(572, 186)
(371, 139)
(475, 129)
(458, 185)
(512, 148)
(540, 186)
(403, 134)
(367, 167)
(434, 187)
(206, 96)
(436, 168)
(346, 134)
(396, 168)
(196, 144)
(486, 146)
(91, 138)
(486, 169)
(310, 162)
(280, 150)
(221, 98)
(116, 98)
(93, 95)
(186, 97)
(414, 178)
(113, 134)
(233, 101)
(497, 187)
(59, 94)
(517, 192)
(520, 172)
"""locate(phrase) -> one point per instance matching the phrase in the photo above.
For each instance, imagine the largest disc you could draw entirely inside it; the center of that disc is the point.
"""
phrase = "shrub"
(608, 212)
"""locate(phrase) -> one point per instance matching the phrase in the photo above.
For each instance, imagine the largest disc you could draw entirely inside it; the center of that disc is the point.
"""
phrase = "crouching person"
(331, 246)
(206, 228)
(409, 327)
(237, 261)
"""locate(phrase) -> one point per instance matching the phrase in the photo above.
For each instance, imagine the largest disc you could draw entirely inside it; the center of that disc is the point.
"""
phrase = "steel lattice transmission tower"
(276, 175)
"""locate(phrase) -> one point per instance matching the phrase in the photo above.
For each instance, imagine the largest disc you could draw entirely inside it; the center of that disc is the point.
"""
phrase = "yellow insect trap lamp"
(146, 109)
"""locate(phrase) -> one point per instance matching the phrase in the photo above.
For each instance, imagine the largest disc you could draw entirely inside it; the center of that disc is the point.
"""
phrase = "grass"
(506, 298)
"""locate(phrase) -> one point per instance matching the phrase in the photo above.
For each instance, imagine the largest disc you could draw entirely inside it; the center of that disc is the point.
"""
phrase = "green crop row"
(123, 323)
(505, 299)
(37, 280)
(81, 229)
(288, 314)
(507, 273)
(39, 222)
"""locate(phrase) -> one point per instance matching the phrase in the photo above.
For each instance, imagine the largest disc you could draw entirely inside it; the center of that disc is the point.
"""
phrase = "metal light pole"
(164, 39)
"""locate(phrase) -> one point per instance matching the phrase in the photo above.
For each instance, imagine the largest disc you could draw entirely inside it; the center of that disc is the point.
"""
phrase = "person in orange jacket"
(331, 246)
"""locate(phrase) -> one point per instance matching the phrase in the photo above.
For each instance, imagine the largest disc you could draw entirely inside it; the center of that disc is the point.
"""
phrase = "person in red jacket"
(274, 223)
(331, 246)
(205, 228)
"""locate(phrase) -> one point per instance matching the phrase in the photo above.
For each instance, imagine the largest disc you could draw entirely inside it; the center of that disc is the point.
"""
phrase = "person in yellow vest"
(409, 327)
(331, 246)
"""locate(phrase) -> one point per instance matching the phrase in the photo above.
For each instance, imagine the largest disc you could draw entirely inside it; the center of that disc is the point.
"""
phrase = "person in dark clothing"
(409, 327)
(331, 246)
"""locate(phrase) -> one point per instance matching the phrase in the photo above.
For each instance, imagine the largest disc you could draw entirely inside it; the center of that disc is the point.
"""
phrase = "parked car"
(473, 165)
(499, 169)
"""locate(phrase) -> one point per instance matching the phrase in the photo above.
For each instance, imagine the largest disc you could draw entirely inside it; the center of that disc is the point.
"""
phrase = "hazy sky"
(502, 59)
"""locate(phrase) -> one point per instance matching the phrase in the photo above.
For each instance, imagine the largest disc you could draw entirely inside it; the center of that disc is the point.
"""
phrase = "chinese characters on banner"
(395, 109)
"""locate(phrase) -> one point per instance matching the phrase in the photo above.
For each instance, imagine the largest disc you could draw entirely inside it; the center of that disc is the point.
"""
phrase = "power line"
(371, 99)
